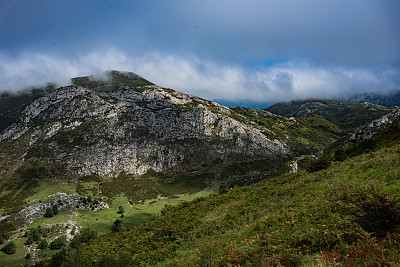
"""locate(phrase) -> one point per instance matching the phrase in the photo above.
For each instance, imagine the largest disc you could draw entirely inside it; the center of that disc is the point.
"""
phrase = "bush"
(319, 164)
(340, 155)
(55, 209)
(378, 213)
(121, 209)
(4, 237)
(33, 235)
(10, 248)
(58, 243)
(44, 244)
(120, 260)
(116, 227)
(49, 213)
(84, 236)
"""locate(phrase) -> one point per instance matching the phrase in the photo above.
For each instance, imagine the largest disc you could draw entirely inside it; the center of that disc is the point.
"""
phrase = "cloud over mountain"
(246, 50)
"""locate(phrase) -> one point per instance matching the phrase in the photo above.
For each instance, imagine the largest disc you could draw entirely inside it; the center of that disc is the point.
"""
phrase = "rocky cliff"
(133, 129)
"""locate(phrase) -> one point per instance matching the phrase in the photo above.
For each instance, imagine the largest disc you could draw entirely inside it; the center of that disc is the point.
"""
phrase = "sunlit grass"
(17, 259)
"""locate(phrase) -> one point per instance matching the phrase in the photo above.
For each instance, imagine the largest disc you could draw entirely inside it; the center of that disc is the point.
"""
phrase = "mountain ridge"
(61, 118)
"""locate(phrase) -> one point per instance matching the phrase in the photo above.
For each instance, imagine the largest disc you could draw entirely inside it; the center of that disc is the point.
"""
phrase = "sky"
(246, 51)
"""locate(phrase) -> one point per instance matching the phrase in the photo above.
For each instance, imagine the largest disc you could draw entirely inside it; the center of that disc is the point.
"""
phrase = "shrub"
(4, 237)
(44, 244)
(319, 164)
(116, 227)
(49, 213)
(378, 213)
(84, 236)
(55, 209)
(33, 235)
(58, 243)
(120, 260)
(340, 155)
(10, 248)
(121, 209)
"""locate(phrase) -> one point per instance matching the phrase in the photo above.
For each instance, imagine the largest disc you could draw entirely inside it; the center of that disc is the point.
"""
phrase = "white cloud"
(210, 80)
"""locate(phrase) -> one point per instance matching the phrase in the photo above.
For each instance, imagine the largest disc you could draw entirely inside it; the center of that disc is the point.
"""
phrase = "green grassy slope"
(305, 135)
(347, 214)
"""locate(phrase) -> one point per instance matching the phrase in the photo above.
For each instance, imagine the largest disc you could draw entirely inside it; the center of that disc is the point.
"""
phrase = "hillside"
(388, 99)
(133, 130)
(346, 116)
(115, 146)
(122, 127)
(347, 214)
(12, 104)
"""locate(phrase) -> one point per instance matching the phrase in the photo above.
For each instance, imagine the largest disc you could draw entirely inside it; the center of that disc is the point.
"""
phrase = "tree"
(4, 237)
(340, 155)
(84, 236)
(58, 243)
(319, 164)
(55, 209)
(44, 244)
(116, 227)
(10, 248)
(121, 209)
(33, 235)
(49, 213)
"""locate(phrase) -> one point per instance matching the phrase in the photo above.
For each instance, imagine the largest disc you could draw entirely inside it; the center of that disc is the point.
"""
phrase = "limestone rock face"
(133, 130)
(376, 126)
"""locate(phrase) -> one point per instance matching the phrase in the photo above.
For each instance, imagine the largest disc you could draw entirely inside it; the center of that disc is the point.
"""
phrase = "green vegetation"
(10, 248)
(4, 237)
(58, 243)
(34, 235)
(303, 135)
(346, 214)
(112, 80)
(84, 236)
(347, 117)
(43, 244)
(121, 209)
(50, 212)
(341, 208)
(117, 226)
(16, 259)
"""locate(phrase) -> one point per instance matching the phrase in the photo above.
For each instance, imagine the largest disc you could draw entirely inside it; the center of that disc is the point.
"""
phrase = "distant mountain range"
(388, 99)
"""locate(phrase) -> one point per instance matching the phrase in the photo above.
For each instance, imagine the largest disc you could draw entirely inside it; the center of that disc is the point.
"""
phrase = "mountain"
(106, 130)
(388, 99)
(129, 136)
(111, 150)
(346, 116)
(110, 80)
(379, 132)
(12, 104)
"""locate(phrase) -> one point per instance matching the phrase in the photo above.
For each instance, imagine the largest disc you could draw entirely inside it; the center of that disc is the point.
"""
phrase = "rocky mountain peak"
(106, 130)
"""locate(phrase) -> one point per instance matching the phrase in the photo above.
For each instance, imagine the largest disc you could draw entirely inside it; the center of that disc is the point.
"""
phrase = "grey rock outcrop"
(376, 126)
(133, 130)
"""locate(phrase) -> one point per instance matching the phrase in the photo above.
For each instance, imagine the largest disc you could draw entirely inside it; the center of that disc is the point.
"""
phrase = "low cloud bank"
(277, 82)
